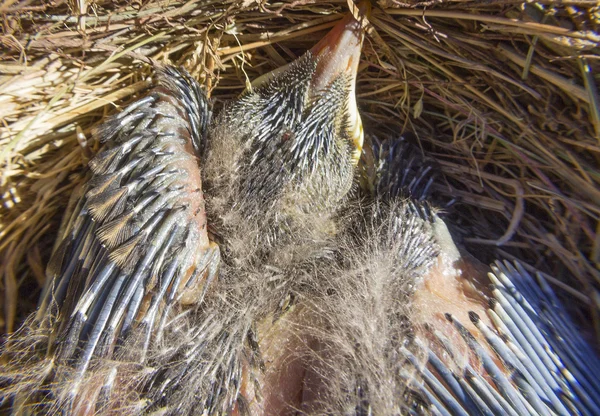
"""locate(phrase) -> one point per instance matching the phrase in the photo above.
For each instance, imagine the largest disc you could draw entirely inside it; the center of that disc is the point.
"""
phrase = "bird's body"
(223, 266)
(402, 331)
(133, 318)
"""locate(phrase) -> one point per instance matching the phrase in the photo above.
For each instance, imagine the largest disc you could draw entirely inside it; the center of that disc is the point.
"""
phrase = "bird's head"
(294, 137)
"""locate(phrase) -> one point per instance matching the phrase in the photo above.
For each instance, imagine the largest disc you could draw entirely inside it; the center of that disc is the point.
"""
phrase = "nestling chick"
(372, 335)
(131, 319)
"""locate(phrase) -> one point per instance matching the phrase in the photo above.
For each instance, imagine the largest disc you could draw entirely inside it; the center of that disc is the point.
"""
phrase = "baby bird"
(374, 339)
(132, 319)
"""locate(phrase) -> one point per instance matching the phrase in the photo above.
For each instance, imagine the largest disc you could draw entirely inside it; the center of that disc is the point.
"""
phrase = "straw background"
(503, 94)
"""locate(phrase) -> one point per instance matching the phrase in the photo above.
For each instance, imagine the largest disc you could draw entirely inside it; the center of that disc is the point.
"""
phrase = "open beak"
(339, 53)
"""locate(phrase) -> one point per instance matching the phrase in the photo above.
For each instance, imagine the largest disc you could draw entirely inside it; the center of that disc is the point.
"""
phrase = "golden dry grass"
(503, 93)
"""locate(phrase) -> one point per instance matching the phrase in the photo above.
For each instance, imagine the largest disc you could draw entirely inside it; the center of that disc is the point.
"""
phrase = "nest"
(503, 94)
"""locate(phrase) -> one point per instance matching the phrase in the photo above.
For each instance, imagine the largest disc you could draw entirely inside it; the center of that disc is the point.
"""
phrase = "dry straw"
(503, 93)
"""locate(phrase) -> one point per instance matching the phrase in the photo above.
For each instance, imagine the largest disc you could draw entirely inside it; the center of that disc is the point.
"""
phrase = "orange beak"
(339, 53)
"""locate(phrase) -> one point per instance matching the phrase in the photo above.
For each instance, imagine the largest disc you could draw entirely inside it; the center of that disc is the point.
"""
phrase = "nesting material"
(504, 96)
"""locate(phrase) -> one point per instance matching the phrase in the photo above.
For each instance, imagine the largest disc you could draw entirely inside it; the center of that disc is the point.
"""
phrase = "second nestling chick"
(391, 327)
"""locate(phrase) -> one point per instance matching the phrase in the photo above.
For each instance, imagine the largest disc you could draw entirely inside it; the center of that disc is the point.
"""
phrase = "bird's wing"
(540, 363)
(522, 354)
(136, 243)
